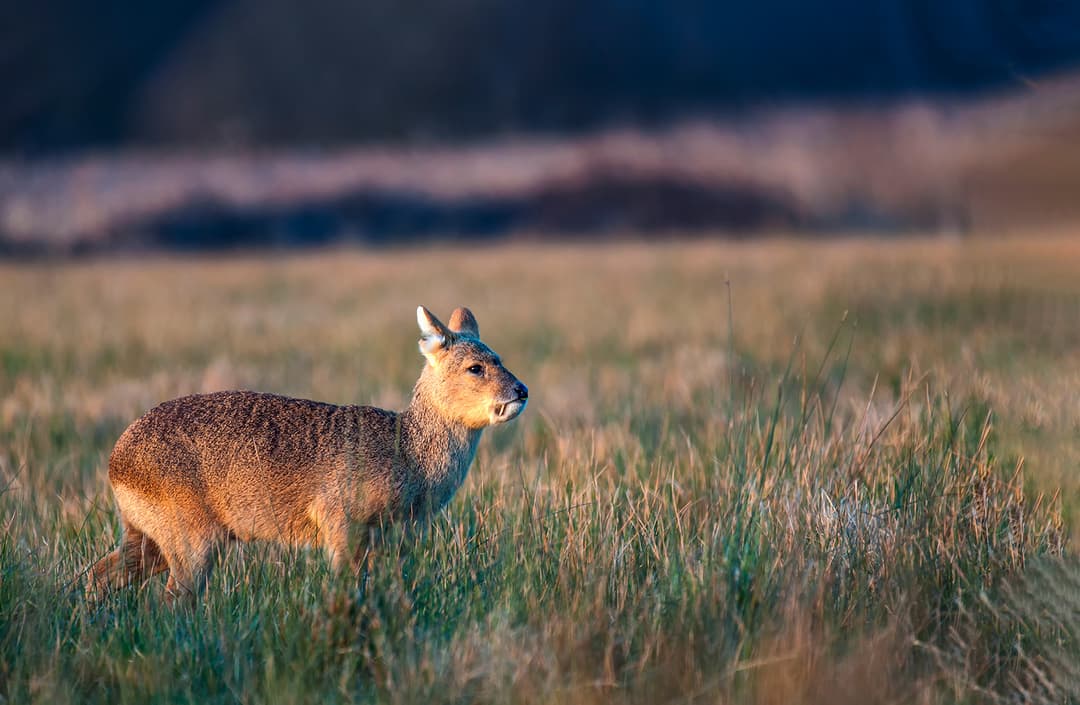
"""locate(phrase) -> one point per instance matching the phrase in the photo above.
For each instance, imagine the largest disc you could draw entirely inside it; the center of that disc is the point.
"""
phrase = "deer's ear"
(434, 336)
(463, 321)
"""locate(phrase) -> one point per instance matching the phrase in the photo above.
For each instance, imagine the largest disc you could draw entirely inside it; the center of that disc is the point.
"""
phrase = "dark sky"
(113, 72)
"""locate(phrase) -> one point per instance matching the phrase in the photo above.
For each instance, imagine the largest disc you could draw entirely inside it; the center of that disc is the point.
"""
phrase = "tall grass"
(770, 502)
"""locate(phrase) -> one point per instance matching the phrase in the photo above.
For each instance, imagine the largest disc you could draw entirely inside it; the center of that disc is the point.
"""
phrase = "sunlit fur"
(466, 398)
(199, 471)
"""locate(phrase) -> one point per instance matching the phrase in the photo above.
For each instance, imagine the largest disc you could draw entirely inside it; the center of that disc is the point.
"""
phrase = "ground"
(775, 471)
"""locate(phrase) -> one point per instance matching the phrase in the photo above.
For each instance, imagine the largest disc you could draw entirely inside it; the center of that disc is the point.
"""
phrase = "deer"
(198, 472)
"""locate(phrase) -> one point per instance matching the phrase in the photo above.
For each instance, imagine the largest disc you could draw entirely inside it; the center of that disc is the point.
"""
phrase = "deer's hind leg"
(136, 559)
(189, 572)
(184, 532)
(189, 542)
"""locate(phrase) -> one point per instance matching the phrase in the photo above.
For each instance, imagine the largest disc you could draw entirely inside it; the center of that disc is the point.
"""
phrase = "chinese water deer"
(199, 471)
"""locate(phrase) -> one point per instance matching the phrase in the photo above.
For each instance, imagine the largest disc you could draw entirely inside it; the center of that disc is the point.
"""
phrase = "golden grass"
(660, 525)
(998, 319)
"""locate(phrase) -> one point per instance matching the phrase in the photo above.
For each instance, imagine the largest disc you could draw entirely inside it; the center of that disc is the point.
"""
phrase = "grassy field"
(773, 472)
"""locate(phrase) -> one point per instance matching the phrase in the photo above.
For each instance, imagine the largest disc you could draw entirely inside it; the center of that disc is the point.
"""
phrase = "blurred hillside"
(236, 123)
(255, 72)
(942, 166)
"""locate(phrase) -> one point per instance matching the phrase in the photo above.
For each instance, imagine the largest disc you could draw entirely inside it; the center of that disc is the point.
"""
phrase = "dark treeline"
(114, 72)
(600, 206)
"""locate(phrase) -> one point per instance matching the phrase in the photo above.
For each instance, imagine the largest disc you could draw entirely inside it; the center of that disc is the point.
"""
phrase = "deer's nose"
(522, 391)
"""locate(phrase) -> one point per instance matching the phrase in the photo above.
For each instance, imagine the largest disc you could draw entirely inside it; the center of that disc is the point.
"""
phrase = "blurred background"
(274, 123)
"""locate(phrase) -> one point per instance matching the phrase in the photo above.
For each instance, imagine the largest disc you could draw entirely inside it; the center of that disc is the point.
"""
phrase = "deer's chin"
(507, 410)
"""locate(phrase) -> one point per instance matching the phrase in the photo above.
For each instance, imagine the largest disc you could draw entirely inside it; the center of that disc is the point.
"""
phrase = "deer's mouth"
(506, 410)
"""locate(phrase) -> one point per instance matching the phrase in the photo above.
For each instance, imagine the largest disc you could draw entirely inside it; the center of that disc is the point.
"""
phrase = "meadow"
(766, 472)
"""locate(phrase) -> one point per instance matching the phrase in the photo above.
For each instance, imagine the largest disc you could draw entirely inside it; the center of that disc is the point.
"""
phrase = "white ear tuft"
(432, 332)
(423, 319)
(430, 344)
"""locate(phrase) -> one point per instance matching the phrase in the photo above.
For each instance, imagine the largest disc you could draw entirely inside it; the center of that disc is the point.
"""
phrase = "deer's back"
(248, 452)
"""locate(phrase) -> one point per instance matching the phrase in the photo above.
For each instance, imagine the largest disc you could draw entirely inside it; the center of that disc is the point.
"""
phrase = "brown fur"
(198, 471)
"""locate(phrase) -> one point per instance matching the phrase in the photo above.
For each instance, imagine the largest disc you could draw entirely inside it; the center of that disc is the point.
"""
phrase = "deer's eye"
(476, 370)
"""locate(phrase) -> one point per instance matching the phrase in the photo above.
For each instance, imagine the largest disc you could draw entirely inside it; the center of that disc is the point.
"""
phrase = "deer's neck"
(439, 449)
